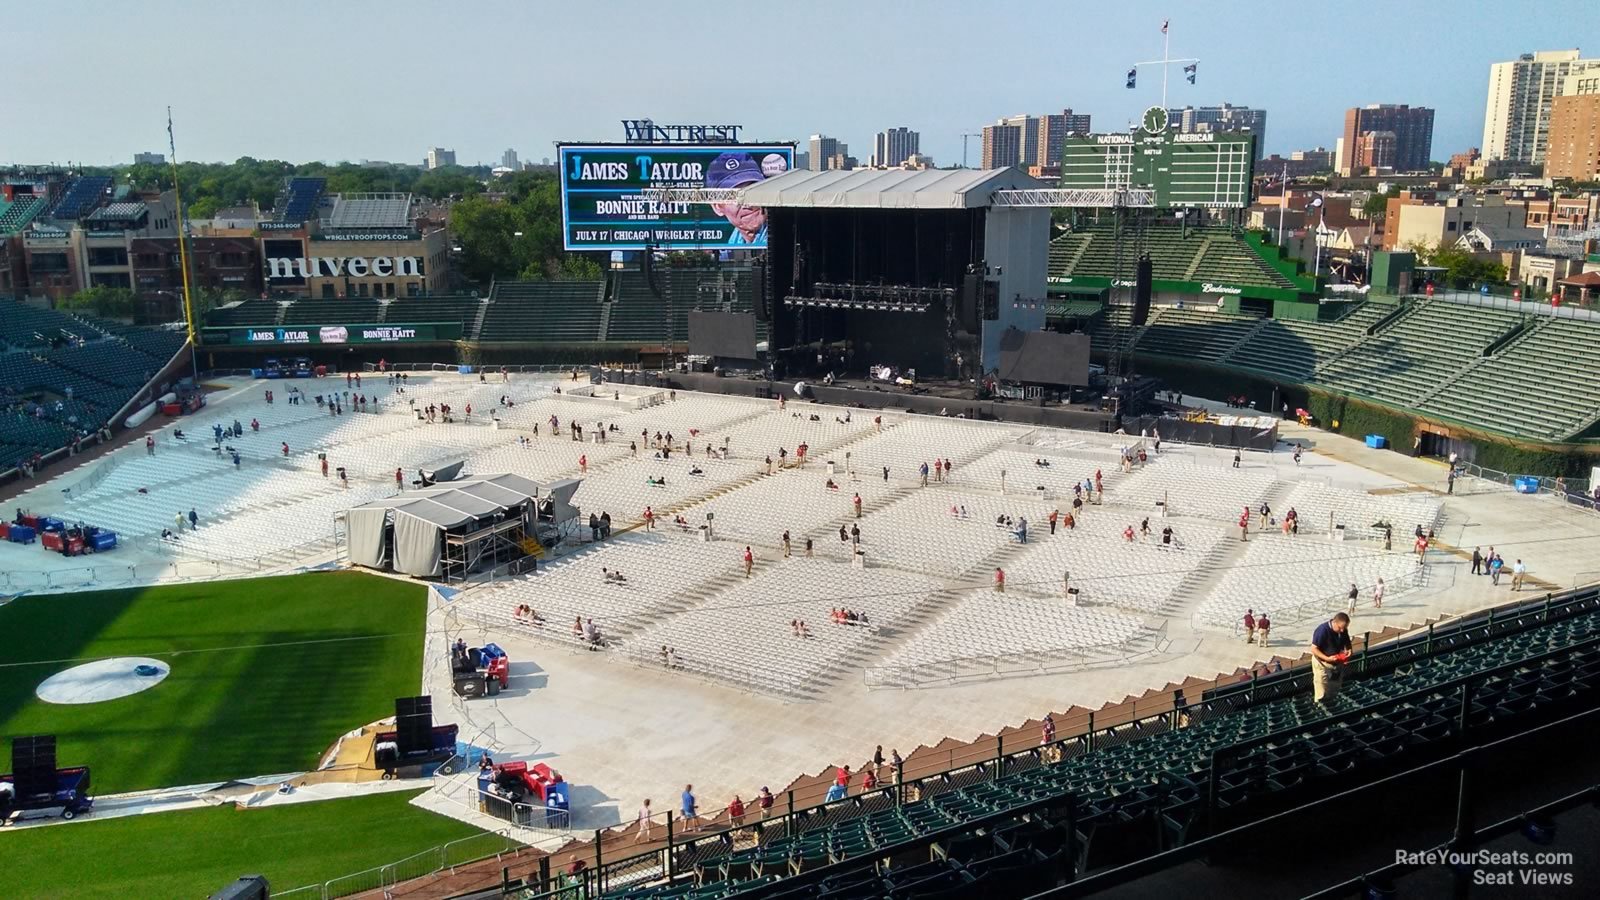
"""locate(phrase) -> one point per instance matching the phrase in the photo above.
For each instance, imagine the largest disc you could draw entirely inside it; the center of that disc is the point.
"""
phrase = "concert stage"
(908, 269)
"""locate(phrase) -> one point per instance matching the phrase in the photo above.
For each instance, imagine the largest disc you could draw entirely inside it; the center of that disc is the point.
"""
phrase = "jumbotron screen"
(604, 207)
(1200, 169)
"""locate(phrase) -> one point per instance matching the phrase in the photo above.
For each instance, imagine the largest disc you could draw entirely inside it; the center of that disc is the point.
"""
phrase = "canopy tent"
(887, 188)
(446, 530)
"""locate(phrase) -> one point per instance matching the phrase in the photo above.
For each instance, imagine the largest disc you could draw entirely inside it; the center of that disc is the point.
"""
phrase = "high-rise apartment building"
(1516, 123)
(508, 159)
(1413, 137)
(821, 149)
(1053, 130)
(439, 156)
(893, 146)
(1012, 141)
(1224, 118)
(1574, 139)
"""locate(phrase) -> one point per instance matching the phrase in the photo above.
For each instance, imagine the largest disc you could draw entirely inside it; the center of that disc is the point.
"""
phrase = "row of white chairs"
(660, 569)
(276, 530)
(919, 532)
(1143, 574)
(745, 635)
(1186, 489)
(1318, 504)
(795, 500)
(1278, 573)
(989, 624)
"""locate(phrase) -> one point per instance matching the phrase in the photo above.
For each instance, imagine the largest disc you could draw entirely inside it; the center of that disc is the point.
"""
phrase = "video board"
(604, 207)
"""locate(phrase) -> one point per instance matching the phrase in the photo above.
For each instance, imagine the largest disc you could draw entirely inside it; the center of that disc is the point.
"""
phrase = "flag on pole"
(1133, 76)
(1189, 71)
(1164, 24)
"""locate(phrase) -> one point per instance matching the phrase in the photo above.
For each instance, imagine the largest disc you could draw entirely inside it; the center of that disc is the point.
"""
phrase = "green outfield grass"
(266, 673)
(195, 852)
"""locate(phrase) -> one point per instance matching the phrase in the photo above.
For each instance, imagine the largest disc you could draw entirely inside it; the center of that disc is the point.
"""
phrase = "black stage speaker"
(991, 301)
(413, 720)
(33, 764)
(967, 304)
(1141, 291)
(762, 273)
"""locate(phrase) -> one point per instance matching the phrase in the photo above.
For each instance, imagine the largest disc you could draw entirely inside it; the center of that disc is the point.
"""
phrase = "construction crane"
(964, 136)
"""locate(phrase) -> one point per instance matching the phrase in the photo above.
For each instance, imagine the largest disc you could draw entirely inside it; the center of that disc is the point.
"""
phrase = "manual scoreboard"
(1205, 169)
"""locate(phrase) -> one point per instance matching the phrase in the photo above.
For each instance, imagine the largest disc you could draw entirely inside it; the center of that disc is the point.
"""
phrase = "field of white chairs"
(743, 635)
(1108, 570)
(660, 569)
(1318, 504)
(929, 553)
(988, 624)
(1209, 492)
(1287, 576)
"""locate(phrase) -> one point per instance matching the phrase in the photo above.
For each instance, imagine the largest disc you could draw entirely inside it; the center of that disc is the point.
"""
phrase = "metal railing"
(150, 572)
(1528, 307)
(434, 860)
(1151, 642)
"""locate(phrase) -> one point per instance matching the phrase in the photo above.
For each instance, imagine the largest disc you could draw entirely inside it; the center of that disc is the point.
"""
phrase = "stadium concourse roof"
(887, 188)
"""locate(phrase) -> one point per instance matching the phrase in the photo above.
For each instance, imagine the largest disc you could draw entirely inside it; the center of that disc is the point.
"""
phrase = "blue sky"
(385, 80)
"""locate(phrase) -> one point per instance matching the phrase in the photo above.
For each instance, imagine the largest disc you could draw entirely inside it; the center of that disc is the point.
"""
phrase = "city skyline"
(314, 101)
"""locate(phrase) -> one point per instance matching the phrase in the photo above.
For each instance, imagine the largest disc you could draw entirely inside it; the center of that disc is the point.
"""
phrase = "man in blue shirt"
(686, 811)
(1330, 649)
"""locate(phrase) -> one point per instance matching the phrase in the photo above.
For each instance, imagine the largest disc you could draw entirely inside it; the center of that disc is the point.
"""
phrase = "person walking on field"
(1263, 627)
(1377, 594)
(644, 823)
(1249, 626)
(749, 561)
(857, 503)
(999, 580)
(1519, 573)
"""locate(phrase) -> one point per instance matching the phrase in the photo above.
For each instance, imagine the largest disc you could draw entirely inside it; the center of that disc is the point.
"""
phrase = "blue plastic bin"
(1527, 484)
(1377, 441)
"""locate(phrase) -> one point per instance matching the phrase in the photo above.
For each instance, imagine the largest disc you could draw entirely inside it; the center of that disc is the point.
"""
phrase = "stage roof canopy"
(887, 188)
(456, 503)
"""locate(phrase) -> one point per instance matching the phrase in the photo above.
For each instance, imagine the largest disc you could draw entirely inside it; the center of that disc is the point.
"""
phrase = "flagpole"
(1283, 204)
(1166, 57)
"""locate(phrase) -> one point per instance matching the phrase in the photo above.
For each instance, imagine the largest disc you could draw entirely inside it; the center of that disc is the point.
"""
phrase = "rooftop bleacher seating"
(82, 195)
(300, 200)
(371, 211)
(554, 311)
(16, 214)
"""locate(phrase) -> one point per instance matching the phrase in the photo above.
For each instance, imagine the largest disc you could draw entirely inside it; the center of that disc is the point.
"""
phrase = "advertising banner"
(332, 335)
(603, 205)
